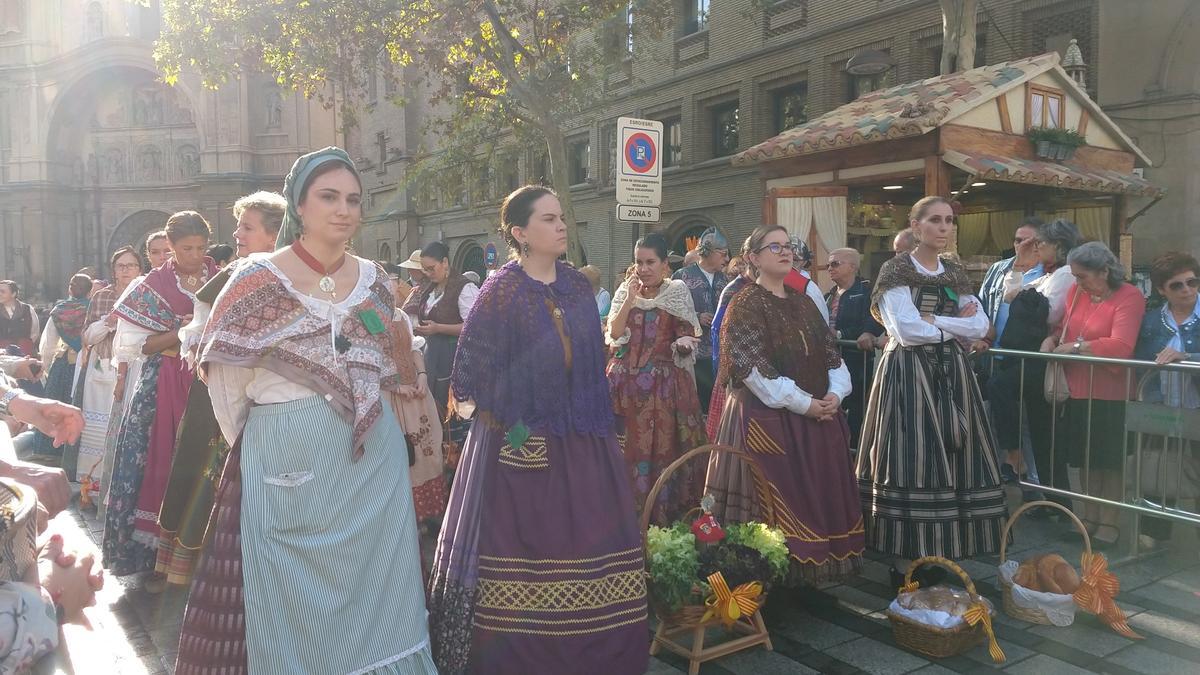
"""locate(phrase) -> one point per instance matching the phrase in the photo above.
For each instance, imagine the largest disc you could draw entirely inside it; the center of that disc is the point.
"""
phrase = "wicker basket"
(689, 619)
(931, 640)
(1011, 608)
(18, 530)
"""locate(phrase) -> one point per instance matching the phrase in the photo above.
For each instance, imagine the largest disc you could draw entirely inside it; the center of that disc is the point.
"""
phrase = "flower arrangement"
(749, 552)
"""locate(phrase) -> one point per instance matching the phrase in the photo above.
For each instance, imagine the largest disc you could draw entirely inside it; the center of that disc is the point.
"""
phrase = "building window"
(483, 185)
(672, 140)
(789, 106)
(1045, 107)
(724, 128)
(539, 169)
(618, 34)
(578, 153)
(608, 136)
(695, 16)
(456, 190)
(510, 174)
(381, 148)
(372, 85)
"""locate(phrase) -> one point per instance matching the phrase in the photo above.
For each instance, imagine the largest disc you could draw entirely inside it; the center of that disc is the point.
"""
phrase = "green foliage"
(500, 73)
(1067, 137)
(768, 541)
(749, 552)
(673, 564)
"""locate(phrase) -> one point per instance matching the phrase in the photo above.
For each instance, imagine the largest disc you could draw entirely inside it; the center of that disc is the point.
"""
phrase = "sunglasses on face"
(1177, 286)
(778, 249)
(834, 264)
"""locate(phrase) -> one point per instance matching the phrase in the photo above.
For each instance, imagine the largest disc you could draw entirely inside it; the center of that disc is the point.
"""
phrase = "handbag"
(1162, 477)
(1054, 386)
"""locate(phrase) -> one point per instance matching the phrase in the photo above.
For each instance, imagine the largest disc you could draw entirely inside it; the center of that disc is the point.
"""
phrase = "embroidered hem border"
(561, 597)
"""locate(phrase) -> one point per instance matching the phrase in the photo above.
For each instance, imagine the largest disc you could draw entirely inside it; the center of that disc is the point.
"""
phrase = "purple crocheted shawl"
(510, 359)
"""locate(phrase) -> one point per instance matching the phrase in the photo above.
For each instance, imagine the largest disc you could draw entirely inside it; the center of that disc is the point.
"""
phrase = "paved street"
(834, 629)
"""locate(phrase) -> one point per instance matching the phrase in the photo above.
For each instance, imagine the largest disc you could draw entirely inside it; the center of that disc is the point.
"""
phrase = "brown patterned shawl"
(901, 271)
(785, 337)
(258, 323)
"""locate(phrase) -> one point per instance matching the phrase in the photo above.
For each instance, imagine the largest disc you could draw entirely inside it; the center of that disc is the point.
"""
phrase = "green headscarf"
(296, 181)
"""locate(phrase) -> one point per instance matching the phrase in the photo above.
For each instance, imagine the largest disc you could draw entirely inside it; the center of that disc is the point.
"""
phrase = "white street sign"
(637, 214)
(639, 182)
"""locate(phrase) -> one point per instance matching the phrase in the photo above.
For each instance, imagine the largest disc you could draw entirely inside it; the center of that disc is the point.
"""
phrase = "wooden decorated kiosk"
(848, 177)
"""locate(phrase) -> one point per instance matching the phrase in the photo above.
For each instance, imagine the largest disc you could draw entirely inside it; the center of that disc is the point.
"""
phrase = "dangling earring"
(525, 248)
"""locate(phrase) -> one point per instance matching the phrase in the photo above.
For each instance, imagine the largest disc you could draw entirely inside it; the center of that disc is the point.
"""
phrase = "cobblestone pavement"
(833, 629)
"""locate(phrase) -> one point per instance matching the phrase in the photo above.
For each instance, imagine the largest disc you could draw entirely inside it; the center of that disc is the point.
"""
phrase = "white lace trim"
(320, 308)
(334, 312)
(392, 659)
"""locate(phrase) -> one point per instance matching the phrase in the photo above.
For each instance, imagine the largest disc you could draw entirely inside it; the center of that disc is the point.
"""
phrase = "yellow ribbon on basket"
(1097, 591)
(727, 605)
(978, 612)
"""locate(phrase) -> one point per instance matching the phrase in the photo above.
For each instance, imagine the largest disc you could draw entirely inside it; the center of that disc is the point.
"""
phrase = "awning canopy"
(1051, 174)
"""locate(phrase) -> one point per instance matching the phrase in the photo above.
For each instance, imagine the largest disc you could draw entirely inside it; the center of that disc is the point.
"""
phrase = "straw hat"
(413, 262)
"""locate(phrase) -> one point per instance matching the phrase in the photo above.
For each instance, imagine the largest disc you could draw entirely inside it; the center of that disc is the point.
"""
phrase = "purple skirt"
(812, 488)
(539, 566)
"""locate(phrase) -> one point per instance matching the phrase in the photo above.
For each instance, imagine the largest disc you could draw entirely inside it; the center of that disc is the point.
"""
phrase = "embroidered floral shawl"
(156, 302)
(511, 361)
(68, 316)
(257, 322)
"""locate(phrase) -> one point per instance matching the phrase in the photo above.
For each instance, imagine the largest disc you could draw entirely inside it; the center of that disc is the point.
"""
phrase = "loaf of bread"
(1047, 573)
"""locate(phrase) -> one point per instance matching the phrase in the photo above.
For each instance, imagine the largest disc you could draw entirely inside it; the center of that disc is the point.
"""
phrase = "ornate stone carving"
(150, 163)
(188, 161)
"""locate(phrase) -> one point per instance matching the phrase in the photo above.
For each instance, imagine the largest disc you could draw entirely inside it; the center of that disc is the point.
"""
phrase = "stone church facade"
(96, 151)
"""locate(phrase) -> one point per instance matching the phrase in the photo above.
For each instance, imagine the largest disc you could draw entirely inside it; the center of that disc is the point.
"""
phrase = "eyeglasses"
(1021, 240)
(778, 249)
(1176, 286)
(128, 266)
(834, 264)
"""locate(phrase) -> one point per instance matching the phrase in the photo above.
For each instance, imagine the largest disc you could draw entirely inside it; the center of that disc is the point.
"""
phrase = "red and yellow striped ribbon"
(729, 606)
(1097, 591)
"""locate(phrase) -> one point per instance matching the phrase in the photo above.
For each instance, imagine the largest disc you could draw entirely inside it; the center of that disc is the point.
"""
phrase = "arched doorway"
(685, 235)
(133, 230)
(470, 258)
(385, 252)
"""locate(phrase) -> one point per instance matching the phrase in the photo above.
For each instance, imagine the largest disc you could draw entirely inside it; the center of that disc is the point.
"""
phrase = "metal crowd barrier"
(1168, 435)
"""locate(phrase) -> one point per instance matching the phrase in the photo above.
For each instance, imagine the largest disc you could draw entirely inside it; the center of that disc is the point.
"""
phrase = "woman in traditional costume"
(739, 282)
(98, 376)
(539, 566)
(927, 467)
(61, 342)
(444, 304)
(200, 449)
(150, 315)
(128, 359)
(785, 381)
(653, 331)
(418, 415)
(311, 564)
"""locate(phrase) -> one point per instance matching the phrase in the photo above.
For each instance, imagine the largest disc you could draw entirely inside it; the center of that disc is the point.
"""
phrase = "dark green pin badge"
(372, 321)
(517, 435)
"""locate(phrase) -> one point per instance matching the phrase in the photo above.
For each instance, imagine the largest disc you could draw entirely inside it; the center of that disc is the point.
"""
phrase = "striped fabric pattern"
(329, 546)
(927, 471)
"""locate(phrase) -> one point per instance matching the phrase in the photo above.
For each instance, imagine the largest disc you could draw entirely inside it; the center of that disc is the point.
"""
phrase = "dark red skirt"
(811, 485)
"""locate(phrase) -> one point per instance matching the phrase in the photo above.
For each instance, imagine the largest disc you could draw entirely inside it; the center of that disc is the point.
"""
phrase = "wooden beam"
(810, 191)
(1005, 119)
(879, 152)
(937, 177)
(1084, 117)
(975, 140)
